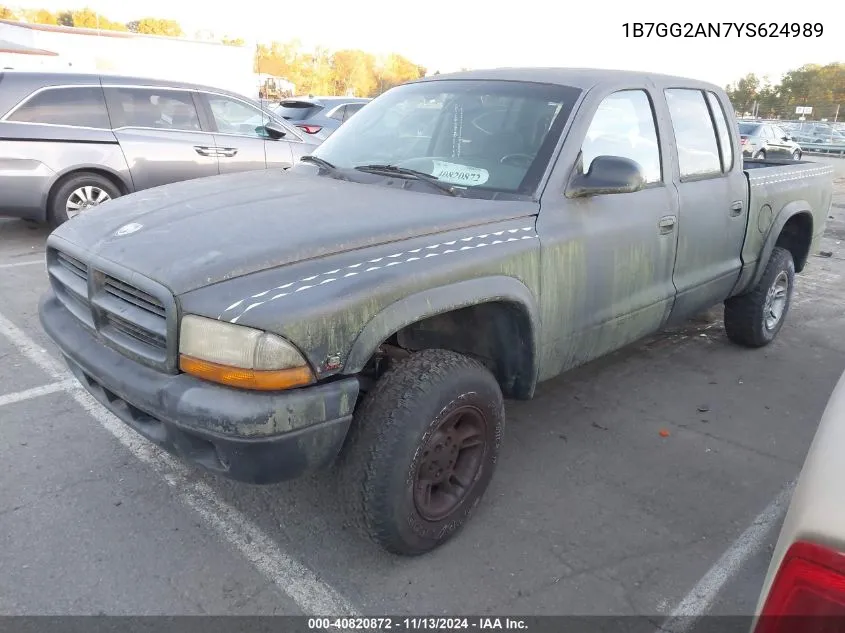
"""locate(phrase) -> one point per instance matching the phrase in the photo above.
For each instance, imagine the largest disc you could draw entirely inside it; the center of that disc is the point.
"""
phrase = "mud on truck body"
(371, 309)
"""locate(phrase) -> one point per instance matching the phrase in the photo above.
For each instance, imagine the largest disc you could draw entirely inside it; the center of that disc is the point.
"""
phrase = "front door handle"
(228, 152)
(667, 224)
(736, 207)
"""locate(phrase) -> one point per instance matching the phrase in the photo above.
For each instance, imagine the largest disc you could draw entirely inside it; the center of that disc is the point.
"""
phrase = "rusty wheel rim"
(451, 463)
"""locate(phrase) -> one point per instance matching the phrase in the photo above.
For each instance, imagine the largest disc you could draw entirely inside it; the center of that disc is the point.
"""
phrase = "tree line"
(820, 87)
(90, 19)
(345, 72)
(318, 71)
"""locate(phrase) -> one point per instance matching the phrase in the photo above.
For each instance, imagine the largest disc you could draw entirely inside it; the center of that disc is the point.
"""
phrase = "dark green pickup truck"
(459, 240)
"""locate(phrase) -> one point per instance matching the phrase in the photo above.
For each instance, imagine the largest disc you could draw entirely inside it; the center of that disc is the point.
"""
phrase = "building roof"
(13, 47)
(75, 30)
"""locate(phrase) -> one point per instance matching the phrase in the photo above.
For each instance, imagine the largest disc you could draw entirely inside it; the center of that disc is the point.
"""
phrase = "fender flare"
(442, 299)
(789, 211)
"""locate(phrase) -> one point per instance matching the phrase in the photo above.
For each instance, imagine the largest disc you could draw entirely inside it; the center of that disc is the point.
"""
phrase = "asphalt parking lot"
(592, 510)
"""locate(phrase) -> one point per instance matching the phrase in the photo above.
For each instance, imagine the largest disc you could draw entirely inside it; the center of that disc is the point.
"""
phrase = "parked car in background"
(764, 140)
(319, 116)
(804, 589)
(70, 142)
(818, 133)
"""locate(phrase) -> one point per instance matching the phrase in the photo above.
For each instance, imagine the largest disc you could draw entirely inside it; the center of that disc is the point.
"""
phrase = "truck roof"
(583, 78)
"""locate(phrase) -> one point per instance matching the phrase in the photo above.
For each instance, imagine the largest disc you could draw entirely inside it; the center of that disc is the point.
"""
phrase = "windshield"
(479, 135)
(749, 129)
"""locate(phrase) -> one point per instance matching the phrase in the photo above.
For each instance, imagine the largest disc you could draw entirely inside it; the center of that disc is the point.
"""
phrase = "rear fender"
(786, 213)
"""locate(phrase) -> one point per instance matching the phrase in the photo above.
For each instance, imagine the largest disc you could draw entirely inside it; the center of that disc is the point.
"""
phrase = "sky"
(446, 35)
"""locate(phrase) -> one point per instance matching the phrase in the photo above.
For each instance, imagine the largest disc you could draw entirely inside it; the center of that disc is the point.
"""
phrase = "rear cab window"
(77, 106)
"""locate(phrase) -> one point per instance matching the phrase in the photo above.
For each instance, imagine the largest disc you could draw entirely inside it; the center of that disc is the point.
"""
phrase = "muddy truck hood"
(199, 232)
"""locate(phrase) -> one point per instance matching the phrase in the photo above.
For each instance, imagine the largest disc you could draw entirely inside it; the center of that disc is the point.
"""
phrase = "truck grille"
(132, 319)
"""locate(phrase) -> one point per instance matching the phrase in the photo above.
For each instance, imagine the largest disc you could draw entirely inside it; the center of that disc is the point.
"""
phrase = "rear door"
(712, 191)
(242, 141)
(160, 134)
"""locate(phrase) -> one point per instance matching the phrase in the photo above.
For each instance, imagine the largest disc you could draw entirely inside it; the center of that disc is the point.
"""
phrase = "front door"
(242, 141)
(607, 259)
(160, 134)
(712, 190)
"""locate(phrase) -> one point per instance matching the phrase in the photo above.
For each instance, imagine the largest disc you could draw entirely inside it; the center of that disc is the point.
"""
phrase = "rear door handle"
(667, 224)
(736, 207)
(203, 150)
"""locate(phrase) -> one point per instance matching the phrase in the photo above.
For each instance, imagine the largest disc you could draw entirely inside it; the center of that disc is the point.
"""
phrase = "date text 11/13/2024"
(418, 624)
(723, 29)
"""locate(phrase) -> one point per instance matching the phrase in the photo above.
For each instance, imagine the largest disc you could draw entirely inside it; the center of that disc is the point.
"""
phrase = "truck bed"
(775, 186)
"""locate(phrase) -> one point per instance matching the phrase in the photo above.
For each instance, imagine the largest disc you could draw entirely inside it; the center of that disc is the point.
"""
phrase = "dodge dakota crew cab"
(372, 307)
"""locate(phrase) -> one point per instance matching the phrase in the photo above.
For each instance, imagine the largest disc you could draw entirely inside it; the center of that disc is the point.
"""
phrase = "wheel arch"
(792, 229)
(495, 318)
(114, 177)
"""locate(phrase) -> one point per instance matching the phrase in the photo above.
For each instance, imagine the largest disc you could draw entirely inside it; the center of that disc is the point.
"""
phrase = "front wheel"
(754, 318)
(761, 155)
(796, 155)
(422, 450)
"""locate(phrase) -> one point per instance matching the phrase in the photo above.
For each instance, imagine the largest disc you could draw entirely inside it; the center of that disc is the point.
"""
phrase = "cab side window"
(352, 108)
(725, 146)
(624, 126)
(695, 134)
(339, 113)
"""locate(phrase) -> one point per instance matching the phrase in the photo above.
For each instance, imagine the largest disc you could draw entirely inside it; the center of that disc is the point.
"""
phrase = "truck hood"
(198, 232)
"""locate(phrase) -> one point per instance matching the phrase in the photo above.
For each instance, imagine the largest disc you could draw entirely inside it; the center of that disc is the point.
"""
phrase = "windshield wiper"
(318, 161)
(394, 170)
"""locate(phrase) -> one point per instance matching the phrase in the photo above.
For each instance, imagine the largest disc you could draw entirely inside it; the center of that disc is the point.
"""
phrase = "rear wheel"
(754, 318)
(422, 450)
(761, 155)
(78, 193)
(796, 155)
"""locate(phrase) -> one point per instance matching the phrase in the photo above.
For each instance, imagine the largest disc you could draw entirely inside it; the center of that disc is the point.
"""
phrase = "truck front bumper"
(250, 436)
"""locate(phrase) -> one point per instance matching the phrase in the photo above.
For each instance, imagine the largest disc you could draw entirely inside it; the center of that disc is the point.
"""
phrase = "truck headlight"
(240, 356)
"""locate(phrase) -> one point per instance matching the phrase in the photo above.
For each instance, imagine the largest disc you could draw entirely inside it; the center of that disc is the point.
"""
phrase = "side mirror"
(608, 174)
(274, 130)
(786, 138)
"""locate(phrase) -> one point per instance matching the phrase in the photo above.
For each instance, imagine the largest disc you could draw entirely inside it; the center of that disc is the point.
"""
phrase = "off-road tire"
(379, 462)
(745, 314)
(56, 206)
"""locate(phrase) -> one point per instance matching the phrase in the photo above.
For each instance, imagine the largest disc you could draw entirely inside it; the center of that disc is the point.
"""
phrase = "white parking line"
(698, 601)
(28, 394)
(16, 264)
(310, 594)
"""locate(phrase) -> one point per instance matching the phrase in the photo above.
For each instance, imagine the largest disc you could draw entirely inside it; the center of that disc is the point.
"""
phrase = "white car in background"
(804, 590)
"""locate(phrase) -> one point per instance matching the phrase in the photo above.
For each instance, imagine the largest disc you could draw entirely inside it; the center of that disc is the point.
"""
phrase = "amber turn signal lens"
(260, 380)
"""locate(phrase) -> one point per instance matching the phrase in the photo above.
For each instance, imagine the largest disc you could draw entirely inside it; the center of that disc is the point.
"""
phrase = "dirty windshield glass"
(488, 136)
